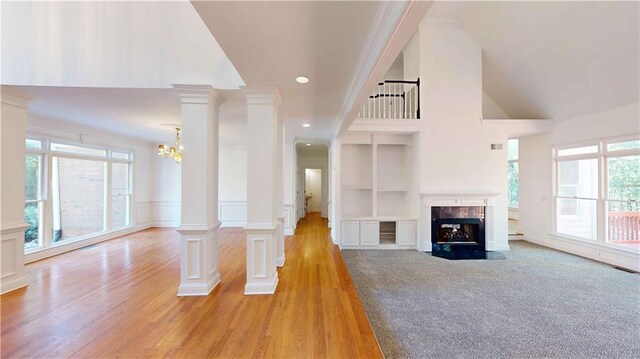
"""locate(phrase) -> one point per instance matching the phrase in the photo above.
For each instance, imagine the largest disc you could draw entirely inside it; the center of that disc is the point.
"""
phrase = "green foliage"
(624, 182)
(31, 217)
(32, 176)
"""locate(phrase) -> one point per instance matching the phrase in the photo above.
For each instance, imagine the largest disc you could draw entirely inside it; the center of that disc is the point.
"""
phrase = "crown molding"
(262, 95)
(12, 96)
(199, 94)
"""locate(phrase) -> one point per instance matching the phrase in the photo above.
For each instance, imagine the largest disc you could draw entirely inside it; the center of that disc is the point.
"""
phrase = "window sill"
(75, 243)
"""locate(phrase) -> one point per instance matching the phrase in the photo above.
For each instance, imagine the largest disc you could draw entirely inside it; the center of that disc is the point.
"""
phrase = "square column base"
(262, 276)
(198, 261)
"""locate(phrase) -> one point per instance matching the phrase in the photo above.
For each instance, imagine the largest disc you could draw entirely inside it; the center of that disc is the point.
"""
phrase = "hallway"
(118, 298)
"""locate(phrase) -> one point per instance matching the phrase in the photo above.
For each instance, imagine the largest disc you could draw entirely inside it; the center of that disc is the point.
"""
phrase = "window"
(89, 187)
(77, 193)
(606, 210)
(120, 195)
(513, 190)
(34, 198)
(623, 194)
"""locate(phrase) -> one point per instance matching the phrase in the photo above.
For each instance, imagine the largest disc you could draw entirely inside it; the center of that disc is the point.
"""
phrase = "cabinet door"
(370, 233)
(406, 233)
(350, 235)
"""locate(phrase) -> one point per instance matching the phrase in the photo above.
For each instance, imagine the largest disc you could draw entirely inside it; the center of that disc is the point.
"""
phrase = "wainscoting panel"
(165, 214)
(142, 214)
(232, 213)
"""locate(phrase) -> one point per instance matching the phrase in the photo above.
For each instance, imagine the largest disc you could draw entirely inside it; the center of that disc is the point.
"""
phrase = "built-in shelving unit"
(378, 191)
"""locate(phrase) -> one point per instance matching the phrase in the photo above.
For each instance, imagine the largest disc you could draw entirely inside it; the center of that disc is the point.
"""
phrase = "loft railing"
(393, 99)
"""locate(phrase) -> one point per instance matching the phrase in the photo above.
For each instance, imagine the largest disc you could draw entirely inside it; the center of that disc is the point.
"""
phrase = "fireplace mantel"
(454, 199)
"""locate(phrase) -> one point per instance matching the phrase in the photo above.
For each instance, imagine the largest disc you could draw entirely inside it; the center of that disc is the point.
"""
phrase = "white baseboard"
(280, 261)
(289, 231)
(594, 251)
(187, 290)
(261, 288)
(11, 284)
(71, 246)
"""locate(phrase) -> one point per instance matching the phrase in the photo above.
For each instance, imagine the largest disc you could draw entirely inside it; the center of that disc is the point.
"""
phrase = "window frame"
(47, 155)
(602, 198)
(43, 190)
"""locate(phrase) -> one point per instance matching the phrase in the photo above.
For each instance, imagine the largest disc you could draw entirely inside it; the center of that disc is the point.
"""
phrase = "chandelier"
(174, 152)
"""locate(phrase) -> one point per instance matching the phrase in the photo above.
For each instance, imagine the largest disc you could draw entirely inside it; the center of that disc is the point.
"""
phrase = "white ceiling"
(271, 43)
(554, 59)
(135, 112)
(110, 44)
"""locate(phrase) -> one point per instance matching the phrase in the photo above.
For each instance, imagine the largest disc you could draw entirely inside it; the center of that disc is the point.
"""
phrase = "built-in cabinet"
(378, 191)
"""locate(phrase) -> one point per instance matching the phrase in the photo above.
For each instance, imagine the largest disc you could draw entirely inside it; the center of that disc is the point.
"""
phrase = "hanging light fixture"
(174, 152)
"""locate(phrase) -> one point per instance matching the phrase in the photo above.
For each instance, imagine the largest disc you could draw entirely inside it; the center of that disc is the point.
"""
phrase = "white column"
(279, 190)
(262, 223)
(199, 218)
(13, 127)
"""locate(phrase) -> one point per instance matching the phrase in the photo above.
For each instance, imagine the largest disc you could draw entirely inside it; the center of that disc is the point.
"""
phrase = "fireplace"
(458, 232)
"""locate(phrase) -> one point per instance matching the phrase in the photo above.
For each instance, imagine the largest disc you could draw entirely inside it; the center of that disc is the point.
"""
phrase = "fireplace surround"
(458, 232)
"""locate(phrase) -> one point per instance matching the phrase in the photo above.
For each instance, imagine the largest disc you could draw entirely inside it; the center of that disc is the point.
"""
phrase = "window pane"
(34, 144)
(513, 184)
(32, 177)
(624, 178)
(512, 150)
(628, 145)
(578, 151)
(576, 217)
(578, 178)
(33, 217)
(120, 178)
(78, 149)
(78, 188)
(120, 155)
(623, 224)
(120, 211)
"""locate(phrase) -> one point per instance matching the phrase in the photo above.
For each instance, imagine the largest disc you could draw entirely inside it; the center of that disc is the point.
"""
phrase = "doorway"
(312, 190)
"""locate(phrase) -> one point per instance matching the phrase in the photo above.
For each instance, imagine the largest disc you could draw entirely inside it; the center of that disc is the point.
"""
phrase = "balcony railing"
(624, 227)
(393, 100)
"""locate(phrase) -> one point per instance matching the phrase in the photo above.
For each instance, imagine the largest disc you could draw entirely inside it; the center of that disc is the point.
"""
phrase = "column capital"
(12, 96)
(262, 95)
(199, 94)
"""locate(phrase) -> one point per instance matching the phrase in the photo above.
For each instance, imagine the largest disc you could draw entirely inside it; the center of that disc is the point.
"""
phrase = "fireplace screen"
(460, 233)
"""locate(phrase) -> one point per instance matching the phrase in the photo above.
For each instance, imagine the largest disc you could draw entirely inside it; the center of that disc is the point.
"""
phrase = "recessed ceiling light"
(308, 144)
(306, 125)
(302, 79)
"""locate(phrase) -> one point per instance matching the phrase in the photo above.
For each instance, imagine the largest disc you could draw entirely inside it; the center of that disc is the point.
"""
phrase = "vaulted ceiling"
(554, 59)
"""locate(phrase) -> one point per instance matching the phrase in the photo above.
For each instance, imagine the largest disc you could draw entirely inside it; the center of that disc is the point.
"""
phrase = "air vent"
(496, 146)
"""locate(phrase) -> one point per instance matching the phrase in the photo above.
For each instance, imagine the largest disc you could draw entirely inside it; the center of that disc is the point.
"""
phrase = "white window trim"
(47, 157)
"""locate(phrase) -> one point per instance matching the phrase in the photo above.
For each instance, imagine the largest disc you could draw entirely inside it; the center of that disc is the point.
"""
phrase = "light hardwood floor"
(118, 299)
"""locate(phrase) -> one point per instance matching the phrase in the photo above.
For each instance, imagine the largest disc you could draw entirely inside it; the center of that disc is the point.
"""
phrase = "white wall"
(313, 187)
(536, 180)
(456, 155)
(490, 109)
(411, 58)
